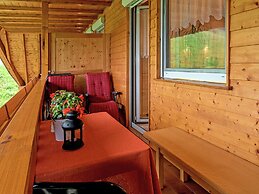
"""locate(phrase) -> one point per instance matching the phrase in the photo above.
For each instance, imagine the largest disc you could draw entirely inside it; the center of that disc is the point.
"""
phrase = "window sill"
(197, 83)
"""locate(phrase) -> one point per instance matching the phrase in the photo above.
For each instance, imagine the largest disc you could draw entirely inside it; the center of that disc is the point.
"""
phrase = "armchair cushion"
(99, 87)
(110, 107)
(60, 82)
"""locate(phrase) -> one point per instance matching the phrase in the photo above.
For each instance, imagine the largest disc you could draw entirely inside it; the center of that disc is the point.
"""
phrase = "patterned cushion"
(60, 82)
(99, 87)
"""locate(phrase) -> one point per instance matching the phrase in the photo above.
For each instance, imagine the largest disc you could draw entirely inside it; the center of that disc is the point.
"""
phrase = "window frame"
(211, 76)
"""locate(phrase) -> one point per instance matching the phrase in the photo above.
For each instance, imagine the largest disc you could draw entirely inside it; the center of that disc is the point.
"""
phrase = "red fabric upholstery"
(99, 90)
(60, 82)
(111, 153)
(109, 107)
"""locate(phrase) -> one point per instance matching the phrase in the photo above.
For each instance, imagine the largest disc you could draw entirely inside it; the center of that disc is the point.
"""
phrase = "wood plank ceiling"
(62, 15)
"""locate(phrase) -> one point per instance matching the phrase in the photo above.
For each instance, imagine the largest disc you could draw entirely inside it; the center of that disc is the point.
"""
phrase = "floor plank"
(173, 185)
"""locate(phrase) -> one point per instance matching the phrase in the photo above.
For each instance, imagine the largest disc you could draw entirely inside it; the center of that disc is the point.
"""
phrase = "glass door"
(139, 66)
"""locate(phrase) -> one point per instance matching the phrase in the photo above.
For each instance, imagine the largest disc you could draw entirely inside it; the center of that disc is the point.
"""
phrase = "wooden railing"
(18, 143)
(8, 110)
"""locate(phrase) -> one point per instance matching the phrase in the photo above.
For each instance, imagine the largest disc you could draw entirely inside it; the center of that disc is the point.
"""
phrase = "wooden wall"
(22, 51)
(117, 25)
(79, 53)
(226, 118)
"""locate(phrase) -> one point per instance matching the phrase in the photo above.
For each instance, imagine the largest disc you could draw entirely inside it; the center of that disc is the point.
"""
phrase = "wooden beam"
(84, 2)
(44, 39)
(11, 68)
(22, 29)
(25, 61)
(93, 17)
(51, 16)
(34, 15)
(74, 22)
(79, 10)
(38, 20)
(4, 38)
(67, 30)
(15, 8)
(13, 19)
(16, 24)
(67, 25)
(38, 30)
(28, 24)
(97, 11)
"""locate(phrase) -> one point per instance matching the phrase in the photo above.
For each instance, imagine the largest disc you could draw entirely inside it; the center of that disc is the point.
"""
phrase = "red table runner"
(111, 153)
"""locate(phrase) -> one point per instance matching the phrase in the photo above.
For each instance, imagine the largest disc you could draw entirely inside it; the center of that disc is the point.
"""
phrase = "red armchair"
(60, 82)
(100, 97)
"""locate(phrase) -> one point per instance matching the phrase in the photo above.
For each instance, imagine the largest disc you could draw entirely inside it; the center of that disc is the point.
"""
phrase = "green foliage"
(199, 50)
(8, 87)
(63, 102)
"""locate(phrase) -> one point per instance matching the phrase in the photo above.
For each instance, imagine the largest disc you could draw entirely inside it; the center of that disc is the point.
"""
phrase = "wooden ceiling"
(56, 15)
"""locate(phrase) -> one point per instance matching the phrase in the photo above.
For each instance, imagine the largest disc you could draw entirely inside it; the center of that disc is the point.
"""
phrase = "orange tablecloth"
(110, 153)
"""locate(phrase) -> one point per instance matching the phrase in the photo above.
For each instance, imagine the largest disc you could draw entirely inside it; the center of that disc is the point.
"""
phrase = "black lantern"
(73, 133)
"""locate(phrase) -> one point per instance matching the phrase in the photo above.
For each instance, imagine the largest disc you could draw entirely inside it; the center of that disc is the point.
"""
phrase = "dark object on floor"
(77, 188)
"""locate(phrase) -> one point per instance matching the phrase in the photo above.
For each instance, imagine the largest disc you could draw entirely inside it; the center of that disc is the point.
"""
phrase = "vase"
(57, 129)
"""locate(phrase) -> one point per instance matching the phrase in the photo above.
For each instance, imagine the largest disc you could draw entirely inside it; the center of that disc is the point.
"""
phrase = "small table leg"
(183, 176)
(160, 167)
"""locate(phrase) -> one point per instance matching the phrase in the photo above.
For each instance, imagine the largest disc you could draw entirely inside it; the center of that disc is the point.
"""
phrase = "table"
(111, 153)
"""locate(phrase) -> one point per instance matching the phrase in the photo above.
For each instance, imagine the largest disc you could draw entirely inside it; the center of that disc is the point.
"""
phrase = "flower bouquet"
(62, 102)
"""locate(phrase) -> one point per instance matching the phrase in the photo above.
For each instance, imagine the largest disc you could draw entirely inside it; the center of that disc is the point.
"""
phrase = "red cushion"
(61, 82)
(109, 107)
(99, 88)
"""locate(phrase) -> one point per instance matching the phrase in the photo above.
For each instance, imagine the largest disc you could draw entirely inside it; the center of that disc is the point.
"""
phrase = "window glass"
(195, 40)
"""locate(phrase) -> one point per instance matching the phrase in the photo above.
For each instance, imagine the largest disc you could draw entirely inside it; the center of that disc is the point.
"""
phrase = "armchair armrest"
(87, 102)
(116, 95)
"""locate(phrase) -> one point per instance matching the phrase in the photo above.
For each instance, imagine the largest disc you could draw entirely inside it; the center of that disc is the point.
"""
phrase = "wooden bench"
(215, 169)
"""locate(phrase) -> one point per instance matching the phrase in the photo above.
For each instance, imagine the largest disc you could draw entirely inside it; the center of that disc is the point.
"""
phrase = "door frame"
(134, 119)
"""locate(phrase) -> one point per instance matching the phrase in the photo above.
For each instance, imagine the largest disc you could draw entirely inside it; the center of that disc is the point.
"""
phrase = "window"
(194, 40)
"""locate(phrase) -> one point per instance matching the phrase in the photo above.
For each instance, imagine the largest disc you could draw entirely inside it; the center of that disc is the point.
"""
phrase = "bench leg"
(183, 176)
(160, 167)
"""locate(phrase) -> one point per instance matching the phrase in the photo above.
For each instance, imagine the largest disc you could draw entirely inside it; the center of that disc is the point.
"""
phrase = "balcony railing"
(8, 110)
(19, 119)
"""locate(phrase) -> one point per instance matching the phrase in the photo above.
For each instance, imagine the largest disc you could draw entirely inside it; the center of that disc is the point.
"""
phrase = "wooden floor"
(173, 185)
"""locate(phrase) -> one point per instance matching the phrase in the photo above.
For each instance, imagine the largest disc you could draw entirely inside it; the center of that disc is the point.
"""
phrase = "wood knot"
(8, 139)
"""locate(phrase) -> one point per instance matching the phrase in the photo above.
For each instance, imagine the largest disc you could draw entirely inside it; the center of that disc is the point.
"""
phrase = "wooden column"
(25, 61)
(44, 39)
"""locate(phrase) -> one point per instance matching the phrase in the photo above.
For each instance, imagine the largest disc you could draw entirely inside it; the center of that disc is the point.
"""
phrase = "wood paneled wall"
(226, 118)
(79, 53)
(23, 52)
(117, 25)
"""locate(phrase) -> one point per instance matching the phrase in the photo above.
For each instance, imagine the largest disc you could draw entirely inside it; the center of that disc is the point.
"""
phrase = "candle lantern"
(73, 132)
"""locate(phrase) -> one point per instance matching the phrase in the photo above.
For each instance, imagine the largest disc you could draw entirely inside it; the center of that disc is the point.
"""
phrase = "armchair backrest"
(61, 82)
(99, 87)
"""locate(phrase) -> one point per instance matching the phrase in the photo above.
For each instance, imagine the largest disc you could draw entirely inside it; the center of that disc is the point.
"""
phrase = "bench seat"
(215, 169)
